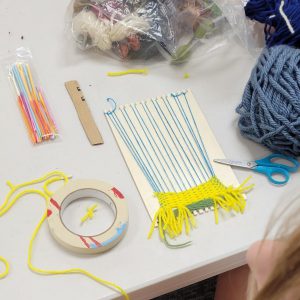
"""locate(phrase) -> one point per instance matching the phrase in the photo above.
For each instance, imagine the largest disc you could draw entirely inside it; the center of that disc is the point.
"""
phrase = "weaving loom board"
(223, 172)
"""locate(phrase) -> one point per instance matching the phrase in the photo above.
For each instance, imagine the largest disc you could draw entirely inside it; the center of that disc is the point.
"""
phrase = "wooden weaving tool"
(84, 113)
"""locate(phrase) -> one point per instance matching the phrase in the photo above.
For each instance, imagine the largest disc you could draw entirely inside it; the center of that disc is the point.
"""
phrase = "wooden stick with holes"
(84, 113)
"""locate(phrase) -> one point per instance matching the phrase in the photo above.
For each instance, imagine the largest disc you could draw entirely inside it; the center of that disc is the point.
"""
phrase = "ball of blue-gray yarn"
(270, 108)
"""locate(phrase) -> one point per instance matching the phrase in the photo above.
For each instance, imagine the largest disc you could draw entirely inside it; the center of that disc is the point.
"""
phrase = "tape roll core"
(78, 189)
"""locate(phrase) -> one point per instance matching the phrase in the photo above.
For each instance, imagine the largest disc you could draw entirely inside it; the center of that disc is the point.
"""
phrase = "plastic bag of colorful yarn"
(142, 29)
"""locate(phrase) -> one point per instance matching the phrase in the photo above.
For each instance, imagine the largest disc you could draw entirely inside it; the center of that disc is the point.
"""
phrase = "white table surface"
(144, 268)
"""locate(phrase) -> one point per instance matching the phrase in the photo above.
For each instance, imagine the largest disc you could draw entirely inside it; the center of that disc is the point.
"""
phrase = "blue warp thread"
(281, 19)
(270, 108)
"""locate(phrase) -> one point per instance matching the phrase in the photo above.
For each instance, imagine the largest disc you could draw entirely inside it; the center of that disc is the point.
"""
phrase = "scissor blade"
(241, 164)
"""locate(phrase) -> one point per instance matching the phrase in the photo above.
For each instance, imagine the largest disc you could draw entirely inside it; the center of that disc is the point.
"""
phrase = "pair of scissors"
(268, 167)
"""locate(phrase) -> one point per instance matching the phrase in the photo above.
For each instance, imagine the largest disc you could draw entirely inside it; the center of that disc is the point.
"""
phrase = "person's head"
(275, 264)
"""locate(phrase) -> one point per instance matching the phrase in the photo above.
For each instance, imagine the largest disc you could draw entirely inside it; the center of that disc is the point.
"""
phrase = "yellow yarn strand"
(90, 213)
(6, 264)
(46, 194)
(174, 214)
(128, 72)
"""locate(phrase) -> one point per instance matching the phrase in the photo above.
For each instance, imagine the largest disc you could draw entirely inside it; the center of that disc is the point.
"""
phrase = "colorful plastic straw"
(32, 103)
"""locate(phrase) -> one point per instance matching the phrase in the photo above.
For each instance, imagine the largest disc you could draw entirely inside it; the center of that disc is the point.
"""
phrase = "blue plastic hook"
(114, 104)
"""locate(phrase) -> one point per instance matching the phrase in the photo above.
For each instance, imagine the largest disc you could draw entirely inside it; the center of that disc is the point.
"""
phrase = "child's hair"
(284, 281)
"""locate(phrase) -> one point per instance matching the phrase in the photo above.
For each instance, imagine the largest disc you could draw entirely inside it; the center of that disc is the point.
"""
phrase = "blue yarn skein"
(281, 19)
(260, 10)
(270, 108)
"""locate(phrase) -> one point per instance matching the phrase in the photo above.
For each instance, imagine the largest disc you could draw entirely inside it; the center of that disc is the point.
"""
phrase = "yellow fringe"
(174, 214)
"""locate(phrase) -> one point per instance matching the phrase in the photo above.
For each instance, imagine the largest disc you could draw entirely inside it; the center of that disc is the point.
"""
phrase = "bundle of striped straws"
(32, 103)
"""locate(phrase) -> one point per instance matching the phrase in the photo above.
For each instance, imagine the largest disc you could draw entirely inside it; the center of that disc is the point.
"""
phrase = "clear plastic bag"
(251, 34)
(142, 29)
(30, 97)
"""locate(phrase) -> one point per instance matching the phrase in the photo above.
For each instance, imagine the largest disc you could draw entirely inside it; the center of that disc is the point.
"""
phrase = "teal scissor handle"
(267, 162)
(270, 172)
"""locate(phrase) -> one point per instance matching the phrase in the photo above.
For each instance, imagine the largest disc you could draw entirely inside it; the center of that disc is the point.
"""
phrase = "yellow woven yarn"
(174, 214)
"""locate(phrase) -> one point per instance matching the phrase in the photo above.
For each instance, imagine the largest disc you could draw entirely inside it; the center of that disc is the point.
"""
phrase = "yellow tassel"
(174, 215)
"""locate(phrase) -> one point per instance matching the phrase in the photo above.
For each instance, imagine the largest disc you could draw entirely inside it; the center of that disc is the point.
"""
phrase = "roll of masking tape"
(78, 189)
